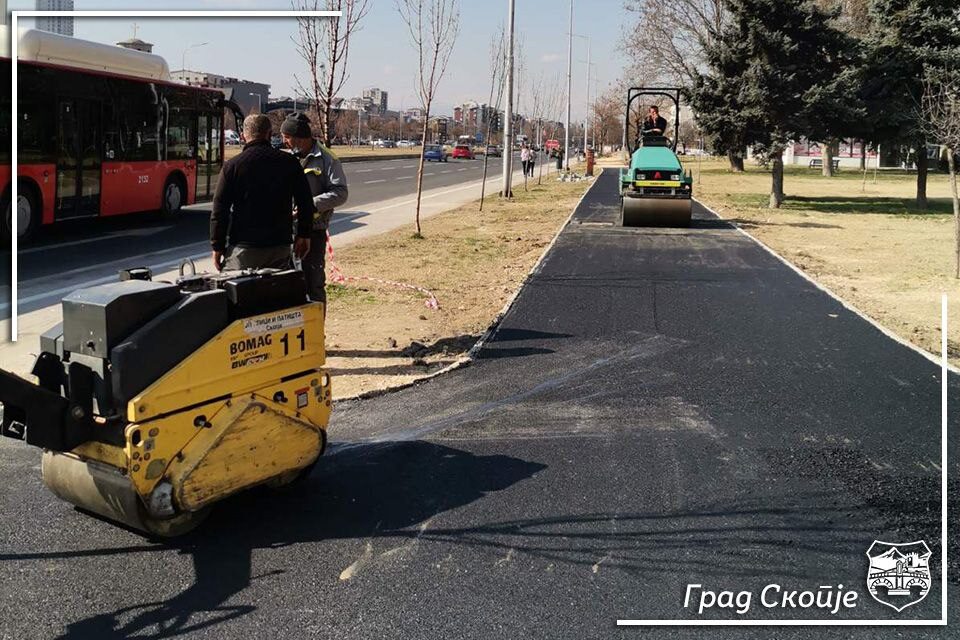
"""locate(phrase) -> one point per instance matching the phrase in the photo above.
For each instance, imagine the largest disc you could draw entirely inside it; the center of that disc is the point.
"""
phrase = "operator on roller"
(252, 217)
(654, 124)
(328, 184)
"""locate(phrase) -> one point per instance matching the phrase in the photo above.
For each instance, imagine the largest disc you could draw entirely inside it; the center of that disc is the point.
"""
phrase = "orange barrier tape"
(337, 276)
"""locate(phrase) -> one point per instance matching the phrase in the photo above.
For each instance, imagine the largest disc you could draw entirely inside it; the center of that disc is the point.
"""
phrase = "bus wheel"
(27, 212)
(173, 198)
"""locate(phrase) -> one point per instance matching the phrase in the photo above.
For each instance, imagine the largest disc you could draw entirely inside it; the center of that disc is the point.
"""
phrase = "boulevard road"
(86, 252)
(660, 408)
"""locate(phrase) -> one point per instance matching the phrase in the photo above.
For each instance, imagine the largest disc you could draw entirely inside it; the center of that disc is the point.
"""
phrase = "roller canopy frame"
(634, 93)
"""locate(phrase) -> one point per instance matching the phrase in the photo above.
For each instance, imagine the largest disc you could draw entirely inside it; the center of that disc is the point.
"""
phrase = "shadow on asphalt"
(361, 491)
(391, 490)
(446, 346)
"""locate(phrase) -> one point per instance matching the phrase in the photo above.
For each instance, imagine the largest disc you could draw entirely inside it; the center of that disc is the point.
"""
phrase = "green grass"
(849, 205)
(341, 293)
(800, 171)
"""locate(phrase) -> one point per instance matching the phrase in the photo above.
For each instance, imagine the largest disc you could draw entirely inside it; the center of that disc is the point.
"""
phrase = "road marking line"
(404, 178)
(409, 166)
(373, 181)
(447, 171)
(146, 231)
(463, 169)
(364, 170)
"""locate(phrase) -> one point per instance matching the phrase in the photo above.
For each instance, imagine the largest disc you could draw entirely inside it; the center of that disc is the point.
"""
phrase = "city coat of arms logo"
(899, 574)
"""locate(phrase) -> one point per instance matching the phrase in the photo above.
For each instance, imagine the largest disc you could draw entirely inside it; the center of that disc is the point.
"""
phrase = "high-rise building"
(3, 12)
(56, 24)
(379, 99)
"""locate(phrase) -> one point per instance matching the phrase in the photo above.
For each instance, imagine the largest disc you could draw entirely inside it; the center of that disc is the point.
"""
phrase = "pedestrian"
(559, 158)
(328, 184)
(525, 159)
(252, 218)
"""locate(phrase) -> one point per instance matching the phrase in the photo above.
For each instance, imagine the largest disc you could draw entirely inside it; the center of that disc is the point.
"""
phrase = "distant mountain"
(891, 553)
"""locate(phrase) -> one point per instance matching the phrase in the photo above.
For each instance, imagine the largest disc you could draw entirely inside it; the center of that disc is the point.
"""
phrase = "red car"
(462, 151)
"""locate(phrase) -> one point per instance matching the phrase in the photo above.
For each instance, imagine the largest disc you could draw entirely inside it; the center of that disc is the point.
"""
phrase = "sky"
(381, 54)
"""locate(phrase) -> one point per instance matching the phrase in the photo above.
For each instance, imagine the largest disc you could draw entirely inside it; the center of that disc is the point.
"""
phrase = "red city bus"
(103, 131)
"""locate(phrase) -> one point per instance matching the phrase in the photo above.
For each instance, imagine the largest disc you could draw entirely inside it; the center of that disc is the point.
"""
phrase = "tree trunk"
(423, 148)
(863, 155)
(736, 161)
(828, 158)
(776, 188)
(952, 165)
(921, 175)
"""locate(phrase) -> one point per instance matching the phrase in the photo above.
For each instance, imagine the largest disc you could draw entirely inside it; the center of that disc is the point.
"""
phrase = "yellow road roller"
(155, 400)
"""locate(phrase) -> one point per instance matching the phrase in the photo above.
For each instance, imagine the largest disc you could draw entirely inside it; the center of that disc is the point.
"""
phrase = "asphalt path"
(84, 252)
(659, 408)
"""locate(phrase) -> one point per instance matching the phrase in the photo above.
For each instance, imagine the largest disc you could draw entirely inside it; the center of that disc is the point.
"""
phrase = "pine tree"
(906, 37)
(769, 74)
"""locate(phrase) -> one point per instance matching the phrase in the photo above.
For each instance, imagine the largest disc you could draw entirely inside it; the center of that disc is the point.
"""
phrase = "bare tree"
(498, 71)
(607, 119)
(940, 118)
(552, 109)
(537, 99)
(433, 27)
(672, 36)
(324, 44)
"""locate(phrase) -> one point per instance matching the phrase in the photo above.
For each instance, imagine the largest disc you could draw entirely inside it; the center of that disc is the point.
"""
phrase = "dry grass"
(863, 240)
(473, 262)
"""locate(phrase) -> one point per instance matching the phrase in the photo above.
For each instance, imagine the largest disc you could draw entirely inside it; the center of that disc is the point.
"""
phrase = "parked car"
(463, 151)
(406, 143)
(435, 152)
(494, 151)
(231, 137)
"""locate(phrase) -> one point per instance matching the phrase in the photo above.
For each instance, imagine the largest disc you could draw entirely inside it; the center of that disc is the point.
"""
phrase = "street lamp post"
(507, 191)
(586, 126)
(183, 59)
(259, 101)
(566, 124)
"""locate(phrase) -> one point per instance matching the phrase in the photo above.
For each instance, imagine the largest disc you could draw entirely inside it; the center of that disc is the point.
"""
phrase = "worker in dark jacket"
(654, 124)
(252, 218)
(328, 184)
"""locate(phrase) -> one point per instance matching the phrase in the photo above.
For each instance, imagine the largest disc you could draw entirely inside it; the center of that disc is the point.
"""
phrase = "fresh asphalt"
(84, 252)
(659, 408)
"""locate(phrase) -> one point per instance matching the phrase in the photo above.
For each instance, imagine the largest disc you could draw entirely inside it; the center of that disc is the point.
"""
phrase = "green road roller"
(654, 190)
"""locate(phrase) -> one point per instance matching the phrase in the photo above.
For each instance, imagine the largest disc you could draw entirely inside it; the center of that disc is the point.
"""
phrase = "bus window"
(5, 134)
(180, 135)
(216, 142)
(143, 119)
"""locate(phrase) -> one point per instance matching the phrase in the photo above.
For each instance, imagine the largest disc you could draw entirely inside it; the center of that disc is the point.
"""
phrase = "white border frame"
(945, 368)
(14, 138)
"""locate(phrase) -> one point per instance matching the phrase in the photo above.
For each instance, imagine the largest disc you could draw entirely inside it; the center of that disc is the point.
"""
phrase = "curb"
(466, 359)
(375, 158)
